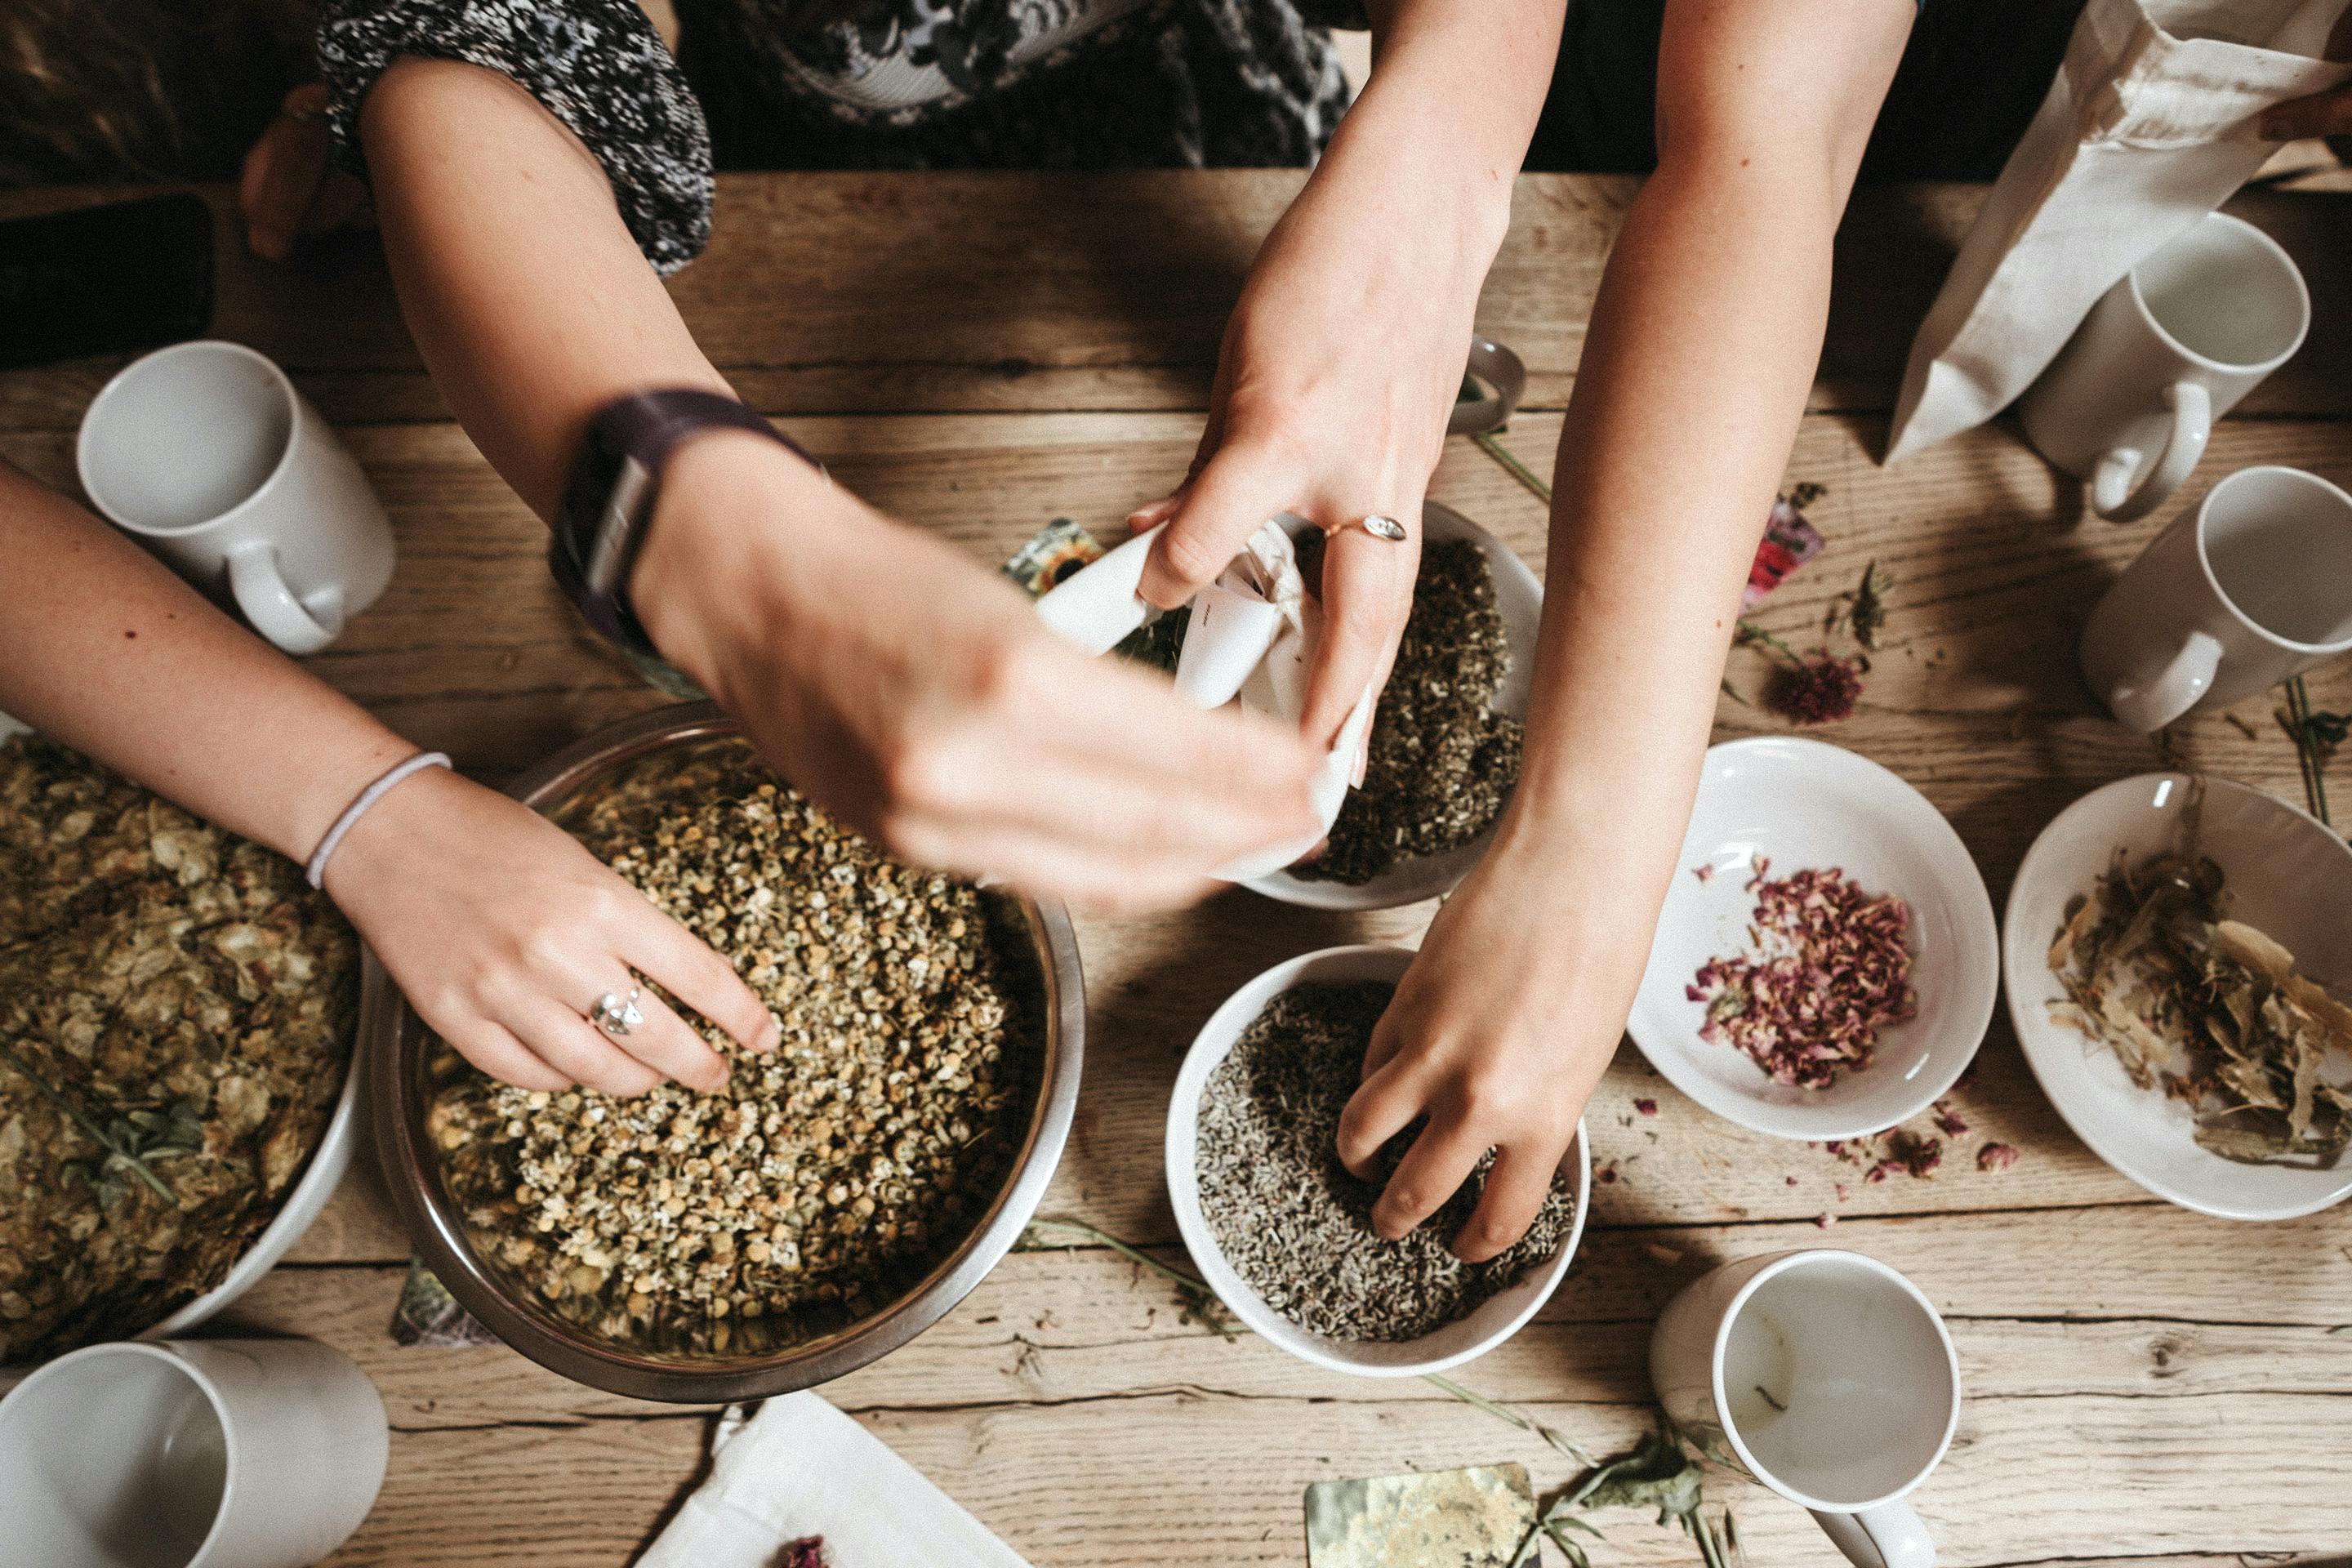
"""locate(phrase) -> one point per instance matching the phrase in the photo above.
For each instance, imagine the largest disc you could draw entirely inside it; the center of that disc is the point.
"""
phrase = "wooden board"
(2144, 1387)
(1018, 292)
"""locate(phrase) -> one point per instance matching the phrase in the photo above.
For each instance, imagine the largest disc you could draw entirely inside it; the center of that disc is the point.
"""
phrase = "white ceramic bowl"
(2284, 872)
(1497, 1319)
(1520, 597)
(1805, 804)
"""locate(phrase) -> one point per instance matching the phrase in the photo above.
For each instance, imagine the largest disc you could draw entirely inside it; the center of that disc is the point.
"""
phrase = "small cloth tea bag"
(1253, 634)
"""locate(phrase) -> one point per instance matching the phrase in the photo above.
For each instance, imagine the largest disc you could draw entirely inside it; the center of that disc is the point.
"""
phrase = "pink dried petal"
(1996, 1157)
(1646, 1107)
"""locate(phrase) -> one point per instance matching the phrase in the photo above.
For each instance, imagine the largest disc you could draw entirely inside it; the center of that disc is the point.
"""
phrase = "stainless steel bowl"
(398, 1059)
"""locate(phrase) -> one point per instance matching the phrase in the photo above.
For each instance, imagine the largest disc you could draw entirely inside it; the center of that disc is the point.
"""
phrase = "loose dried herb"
(823, 1178)
(1295, 1222)
(1866, 606)
(1441, 760)
(175, 1020)
(1819, 688)
(2205, 1008)
(1200, 1303)
(1831, 966)
(2316, 736)
(1660, 1474)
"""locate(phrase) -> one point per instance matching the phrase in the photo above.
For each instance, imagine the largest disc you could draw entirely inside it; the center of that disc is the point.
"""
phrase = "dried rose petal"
(1832, 966)
(1996, 1157)
(1820, 690)
(1646, 1107)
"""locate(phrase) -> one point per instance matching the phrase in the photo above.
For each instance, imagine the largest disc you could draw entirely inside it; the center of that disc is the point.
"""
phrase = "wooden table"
(980, 354)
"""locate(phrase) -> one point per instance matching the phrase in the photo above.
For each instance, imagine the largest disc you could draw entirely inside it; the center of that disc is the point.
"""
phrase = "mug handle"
(2192, 427)
(262, 593)
(2173, 692)
(1891, 1535)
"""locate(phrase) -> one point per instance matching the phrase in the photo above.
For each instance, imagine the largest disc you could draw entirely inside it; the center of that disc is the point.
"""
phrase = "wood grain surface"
(2146, 1387)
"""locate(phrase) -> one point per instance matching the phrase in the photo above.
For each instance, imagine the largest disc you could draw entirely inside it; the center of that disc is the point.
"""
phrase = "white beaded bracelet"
(317, 870)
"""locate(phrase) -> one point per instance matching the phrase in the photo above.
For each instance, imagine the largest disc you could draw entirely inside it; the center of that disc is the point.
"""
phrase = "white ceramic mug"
(1824, 1375)
(2130, 401)
(206, 453)
(189, 1453)
(2251, 589)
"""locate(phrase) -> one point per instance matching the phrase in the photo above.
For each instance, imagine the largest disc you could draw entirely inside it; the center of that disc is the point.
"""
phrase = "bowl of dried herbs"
(835, 1197)
(2177, 952)
(1283, 1232)
(1826, 962)
(1445, 744)
(177, 1012)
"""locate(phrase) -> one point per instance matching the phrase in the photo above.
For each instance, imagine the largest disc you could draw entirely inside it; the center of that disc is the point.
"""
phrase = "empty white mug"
(1824, 1375)
(2252, 588)
(2130, 401)
(206, 453)
(189, 1453)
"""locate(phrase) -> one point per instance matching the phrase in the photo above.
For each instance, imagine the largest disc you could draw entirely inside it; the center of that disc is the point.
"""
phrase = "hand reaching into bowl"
(502, 931)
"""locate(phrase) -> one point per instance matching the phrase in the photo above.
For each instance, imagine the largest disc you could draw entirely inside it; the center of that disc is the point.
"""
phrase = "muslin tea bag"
(1252, 635)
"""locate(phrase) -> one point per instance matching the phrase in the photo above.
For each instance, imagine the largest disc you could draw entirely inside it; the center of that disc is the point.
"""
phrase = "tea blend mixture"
(1442, 761)
(2207, 1009)
(824, 1179)
(1831, 967)
(1292, 1220)
(176, 1010)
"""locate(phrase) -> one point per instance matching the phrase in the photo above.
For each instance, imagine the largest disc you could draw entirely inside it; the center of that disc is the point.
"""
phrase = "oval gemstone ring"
(1375, 525)
(615, 1016)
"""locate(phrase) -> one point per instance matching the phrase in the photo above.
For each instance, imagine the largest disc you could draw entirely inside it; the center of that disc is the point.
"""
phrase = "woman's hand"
(289, 189)
(1498, 1035)
(917, 697)
(1340, 368)
(502, 931)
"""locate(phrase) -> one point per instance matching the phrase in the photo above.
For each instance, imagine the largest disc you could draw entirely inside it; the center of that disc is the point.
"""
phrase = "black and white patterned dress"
(873, 84)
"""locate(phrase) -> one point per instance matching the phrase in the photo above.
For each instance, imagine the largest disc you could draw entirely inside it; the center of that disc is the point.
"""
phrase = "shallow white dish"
(1520, 598)
(1497, 1319)
(1804, 804)
(2283, 871)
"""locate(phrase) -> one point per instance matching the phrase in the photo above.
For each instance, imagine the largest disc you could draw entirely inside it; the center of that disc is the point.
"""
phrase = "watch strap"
(608, 500)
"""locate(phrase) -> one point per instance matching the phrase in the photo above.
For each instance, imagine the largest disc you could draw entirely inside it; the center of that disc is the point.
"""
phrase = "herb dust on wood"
(1291, 1219)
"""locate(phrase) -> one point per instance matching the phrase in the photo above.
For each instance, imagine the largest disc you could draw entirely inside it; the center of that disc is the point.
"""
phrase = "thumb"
(1235, 492)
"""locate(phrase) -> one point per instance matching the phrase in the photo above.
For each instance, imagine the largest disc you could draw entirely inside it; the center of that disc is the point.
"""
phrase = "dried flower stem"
(1518, 470)
(138, 1165)
(1195, 1289)
(2306, 731)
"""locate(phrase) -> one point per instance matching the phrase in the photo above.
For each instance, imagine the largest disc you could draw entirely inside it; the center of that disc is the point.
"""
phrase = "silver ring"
(1375, 525)
(614, 1016)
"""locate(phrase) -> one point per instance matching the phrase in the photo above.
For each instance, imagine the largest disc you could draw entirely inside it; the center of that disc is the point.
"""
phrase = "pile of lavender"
(1290, 1218)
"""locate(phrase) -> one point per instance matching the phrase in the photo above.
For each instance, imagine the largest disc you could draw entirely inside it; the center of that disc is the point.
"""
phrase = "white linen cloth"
(800, 1467)
(2149, 126)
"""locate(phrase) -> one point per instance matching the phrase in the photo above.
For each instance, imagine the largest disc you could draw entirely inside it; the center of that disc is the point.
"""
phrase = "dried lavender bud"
(1832, 968)
(1441, 761)
(1295, 1222)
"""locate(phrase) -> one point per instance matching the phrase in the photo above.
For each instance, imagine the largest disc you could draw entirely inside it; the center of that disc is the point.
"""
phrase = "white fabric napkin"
(799, 1468)
(2149, 126)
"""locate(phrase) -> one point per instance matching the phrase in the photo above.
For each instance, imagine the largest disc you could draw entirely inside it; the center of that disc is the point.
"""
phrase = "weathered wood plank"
(2148, 1311)
(1193, 1478)
(1012, 291)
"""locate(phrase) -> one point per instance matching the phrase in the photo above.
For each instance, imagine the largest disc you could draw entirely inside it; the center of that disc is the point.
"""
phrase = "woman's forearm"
(1694, 378)
(527, 297)
(108, 653)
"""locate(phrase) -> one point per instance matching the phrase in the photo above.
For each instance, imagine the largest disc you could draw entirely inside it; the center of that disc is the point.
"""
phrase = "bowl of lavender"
(1280, 1229)
(1826, 961)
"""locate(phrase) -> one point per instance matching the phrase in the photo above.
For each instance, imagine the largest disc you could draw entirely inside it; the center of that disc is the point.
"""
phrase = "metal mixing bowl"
(398, 1057)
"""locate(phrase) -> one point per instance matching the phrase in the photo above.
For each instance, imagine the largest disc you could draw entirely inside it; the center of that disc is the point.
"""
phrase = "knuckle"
(1191, 553)
(917, 774)
(1005, 671)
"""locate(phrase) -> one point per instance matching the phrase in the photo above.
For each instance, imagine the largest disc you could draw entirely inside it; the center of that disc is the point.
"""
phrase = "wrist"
(402, 824)
(727, 552)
